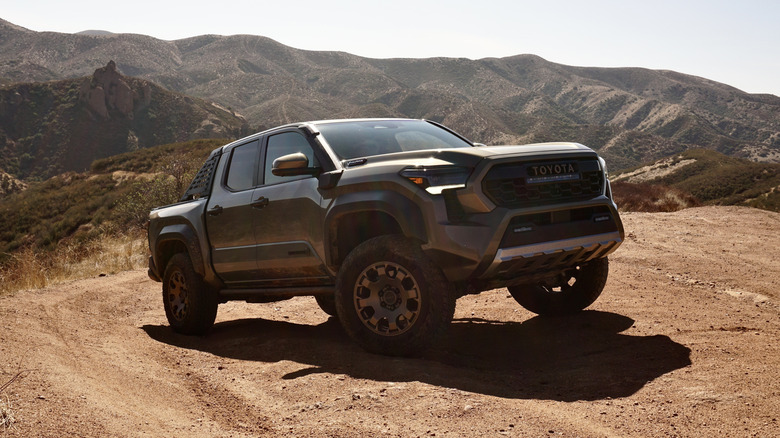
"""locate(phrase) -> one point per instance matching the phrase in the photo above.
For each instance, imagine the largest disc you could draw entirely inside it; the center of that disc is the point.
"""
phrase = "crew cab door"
(288, 218)
(229, 215)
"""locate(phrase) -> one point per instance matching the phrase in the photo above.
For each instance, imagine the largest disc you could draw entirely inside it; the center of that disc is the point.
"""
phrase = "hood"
(466, 156)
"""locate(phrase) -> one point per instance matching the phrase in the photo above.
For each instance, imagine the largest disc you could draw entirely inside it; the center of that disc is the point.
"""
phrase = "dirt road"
(683, 342)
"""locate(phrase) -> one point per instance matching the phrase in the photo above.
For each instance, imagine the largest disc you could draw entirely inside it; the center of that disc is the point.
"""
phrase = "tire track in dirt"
(666, 351)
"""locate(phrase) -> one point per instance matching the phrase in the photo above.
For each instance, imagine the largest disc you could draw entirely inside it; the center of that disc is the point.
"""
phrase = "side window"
(241, 170)
(283, 144)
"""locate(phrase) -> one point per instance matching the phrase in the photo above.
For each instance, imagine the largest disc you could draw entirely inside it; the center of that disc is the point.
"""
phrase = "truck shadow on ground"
(579, 357)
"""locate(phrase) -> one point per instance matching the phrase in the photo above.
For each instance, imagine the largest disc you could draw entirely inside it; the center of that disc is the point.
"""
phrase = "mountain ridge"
(631, 115)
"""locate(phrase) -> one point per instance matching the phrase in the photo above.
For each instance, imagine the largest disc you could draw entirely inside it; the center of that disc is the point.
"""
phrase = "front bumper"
(522, 264)
(508, 247)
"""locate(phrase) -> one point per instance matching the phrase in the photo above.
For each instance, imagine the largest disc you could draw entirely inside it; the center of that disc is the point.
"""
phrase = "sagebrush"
(651, 198)
(30, 268)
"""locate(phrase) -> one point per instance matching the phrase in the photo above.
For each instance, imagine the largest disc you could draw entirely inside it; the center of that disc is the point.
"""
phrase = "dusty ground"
(683, 342)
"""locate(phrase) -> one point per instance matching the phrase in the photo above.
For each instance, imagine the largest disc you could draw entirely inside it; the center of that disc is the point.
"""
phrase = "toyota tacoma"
(386, 222)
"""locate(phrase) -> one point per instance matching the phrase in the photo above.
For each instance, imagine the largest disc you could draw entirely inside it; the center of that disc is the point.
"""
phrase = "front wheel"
(575, 290)
(327, 304)
(190, 306)
(391, 299)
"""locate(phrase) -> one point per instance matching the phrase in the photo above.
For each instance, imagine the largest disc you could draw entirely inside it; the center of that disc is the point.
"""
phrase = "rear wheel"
(575, 290)
(391, 299)
(190, 306)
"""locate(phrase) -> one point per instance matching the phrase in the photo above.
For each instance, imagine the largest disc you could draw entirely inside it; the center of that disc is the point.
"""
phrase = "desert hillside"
(683, 342)
(632, 115)
(49, 128)
(695, 177)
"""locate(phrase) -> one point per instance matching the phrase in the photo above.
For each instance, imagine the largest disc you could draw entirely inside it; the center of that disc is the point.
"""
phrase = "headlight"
(437, 178)
(607, 186)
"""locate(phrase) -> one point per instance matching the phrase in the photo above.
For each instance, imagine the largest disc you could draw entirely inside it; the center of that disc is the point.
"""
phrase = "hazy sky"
(736, 42)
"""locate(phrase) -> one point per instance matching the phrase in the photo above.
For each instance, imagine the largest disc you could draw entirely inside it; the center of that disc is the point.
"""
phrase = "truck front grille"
(511, 186)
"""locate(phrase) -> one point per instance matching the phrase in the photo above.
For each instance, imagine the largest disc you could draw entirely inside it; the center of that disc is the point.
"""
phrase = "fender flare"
(188, 238)
(403, 210)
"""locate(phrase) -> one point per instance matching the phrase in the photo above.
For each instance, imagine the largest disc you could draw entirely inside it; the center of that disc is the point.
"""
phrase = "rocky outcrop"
(9, 184)
(107, 94)
(47, 128)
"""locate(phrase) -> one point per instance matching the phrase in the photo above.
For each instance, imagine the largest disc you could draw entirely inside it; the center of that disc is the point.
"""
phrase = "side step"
(267, 295)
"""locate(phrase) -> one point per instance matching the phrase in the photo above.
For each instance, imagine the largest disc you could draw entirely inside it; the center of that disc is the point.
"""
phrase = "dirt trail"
(683, 342)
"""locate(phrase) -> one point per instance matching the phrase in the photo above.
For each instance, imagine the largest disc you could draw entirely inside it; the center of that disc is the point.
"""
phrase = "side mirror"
(293, 165)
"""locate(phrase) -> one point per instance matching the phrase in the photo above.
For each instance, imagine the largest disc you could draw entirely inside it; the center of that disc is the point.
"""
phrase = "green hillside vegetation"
(717, 179)
(154, 158)
(113, 197)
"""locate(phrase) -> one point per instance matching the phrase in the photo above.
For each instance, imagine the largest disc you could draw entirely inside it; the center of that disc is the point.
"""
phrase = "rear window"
(241, 169)
(365, 138)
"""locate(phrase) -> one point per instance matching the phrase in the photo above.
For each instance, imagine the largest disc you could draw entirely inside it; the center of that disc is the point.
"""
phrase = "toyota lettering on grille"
(542, 173)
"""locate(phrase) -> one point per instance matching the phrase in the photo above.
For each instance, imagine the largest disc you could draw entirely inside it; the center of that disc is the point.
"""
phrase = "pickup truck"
(386, 222)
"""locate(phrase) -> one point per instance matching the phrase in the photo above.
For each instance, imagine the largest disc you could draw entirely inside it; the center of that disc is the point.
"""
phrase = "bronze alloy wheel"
(387, 298)
(391, 298)
(178, 299)
(190, 305)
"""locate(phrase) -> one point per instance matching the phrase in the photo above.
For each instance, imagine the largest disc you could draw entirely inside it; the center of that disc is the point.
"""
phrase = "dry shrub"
(33, 269)
(651, 197)
(6, 413)
(7, 418)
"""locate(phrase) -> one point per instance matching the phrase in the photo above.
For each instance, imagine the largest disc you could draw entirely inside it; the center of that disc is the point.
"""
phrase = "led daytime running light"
(436, 179)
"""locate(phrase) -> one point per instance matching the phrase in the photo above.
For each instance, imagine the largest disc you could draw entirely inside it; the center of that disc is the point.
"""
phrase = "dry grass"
(651, 197)
(6, 413)
(7, 418)
(34, 269)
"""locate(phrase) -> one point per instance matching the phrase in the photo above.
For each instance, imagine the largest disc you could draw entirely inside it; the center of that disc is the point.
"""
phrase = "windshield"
(363, 138)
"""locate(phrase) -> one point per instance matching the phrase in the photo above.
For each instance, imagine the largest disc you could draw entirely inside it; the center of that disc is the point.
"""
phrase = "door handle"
(259, 202)
(215, 210)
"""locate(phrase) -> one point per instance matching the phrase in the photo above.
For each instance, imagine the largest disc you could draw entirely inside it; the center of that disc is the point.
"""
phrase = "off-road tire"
(327, 304)
(391, 298)
(190, 306)
(585, 284)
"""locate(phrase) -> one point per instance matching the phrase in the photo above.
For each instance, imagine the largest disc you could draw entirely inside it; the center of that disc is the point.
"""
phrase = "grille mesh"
(506, 185)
